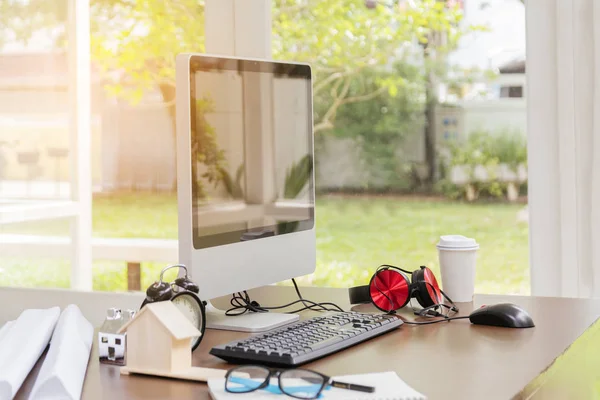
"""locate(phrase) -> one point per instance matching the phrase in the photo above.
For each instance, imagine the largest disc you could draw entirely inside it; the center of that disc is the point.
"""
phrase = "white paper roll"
(63, 371)
(22, 345)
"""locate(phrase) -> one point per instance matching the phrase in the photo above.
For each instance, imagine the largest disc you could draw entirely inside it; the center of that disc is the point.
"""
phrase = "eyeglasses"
(297, 383)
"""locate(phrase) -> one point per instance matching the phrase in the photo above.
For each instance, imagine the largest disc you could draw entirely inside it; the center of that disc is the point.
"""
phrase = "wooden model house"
(158, 343)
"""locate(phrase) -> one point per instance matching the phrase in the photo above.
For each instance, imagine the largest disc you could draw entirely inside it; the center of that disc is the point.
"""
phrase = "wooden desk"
(447, 360)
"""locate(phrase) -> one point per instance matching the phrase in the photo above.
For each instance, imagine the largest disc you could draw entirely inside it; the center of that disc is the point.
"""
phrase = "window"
(511, 91)
(419, 132)
(44, 191)
(117, 341)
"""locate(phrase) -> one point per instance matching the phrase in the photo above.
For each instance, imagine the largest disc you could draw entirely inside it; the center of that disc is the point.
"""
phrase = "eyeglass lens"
(301, 384)
(246, 379)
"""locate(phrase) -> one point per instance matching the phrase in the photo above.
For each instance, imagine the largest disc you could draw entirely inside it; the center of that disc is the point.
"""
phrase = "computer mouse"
(504, 314)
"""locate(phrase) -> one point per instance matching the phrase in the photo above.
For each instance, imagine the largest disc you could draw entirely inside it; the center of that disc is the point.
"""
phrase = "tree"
(339, 38)
(19, 20)
(342, 38)
(345, 38)
(137, 41)
(381, 126)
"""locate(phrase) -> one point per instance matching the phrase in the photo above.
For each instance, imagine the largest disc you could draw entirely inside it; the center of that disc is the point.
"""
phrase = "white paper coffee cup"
(458, 255)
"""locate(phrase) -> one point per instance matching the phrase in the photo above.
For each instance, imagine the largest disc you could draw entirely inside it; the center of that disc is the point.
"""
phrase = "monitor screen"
(252, 145)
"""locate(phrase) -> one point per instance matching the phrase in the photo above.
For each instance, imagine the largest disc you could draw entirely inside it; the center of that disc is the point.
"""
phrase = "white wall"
(340, 164)
(496, 115)
(493, 116)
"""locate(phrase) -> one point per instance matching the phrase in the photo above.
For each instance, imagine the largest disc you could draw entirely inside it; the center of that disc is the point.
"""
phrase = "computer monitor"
(245, 177)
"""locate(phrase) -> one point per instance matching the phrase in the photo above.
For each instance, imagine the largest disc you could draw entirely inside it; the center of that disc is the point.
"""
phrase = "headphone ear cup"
(427, 290)
(421, 290)
(389, 289)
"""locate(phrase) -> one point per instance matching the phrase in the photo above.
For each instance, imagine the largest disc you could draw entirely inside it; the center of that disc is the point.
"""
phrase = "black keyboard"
(307, 340)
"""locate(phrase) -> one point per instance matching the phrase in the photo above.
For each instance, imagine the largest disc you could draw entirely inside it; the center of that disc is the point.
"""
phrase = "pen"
(352, 386)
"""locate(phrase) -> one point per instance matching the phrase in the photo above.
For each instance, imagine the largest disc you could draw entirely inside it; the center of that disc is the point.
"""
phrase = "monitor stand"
(248, 322)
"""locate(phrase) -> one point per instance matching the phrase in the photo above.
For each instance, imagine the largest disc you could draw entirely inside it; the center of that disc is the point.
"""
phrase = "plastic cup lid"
(457, 242)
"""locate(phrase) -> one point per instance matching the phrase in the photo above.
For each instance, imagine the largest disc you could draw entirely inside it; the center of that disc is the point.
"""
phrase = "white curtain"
(563, 99)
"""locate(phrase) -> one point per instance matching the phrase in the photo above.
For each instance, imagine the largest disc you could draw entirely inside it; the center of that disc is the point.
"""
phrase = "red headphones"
(390, 289)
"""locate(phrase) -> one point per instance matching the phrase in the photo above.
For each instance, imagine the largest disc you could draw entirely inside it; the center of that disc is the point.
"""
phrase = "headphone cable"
(434, 322)
(241, 303)
(337, 308)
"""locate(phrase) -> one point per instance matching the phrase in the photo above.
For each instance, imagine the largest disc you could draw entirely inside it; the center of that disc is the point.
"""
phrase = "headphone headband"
(359, 294)
(383, 267)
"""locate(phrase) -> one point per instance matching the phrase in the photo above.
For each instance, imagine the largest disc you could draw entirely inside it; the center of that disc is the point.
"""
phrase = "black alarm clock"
(184, 294)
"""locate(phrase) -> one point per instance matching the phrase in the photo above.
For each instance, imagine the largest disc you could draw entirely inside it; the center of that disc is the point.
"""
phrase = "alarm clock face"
(191, 306)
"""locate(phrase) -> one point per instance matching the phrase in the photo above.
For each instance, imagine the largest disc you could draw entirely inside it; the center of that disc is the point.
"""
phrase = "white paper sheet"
(21, 346)
(63, 371)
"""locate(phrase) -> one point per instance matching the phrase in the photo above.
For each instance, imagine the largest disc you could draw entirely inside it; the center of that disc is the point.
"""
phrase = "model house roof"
(170, 317)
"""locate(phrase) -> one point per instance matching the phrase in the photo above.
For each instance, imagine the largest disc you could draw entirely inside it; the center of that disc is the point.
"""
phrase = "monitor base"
(249, 322)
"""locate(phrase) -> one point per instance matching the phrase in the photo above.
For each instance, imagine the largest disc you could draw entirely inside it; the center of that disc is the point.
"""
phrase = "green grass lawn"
(354, 236)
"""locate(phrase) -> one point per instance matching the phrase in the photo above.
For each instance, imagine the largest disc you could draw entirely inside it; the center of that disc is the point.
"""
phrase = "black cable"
(241, 303)
(298, 291)
(434, 322)
(337, 308)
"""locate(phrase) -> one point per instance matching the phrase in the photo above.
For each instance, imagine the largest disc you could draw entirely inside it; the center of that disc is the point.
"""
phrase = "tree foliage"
(342, 38)
(381, 126)
(20, 20)
(135, 43)
(339, 38)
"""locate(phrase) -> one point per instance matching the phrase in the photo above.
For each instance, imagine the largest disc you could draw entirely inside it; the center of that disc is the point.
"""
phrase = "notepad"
(388, 386)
